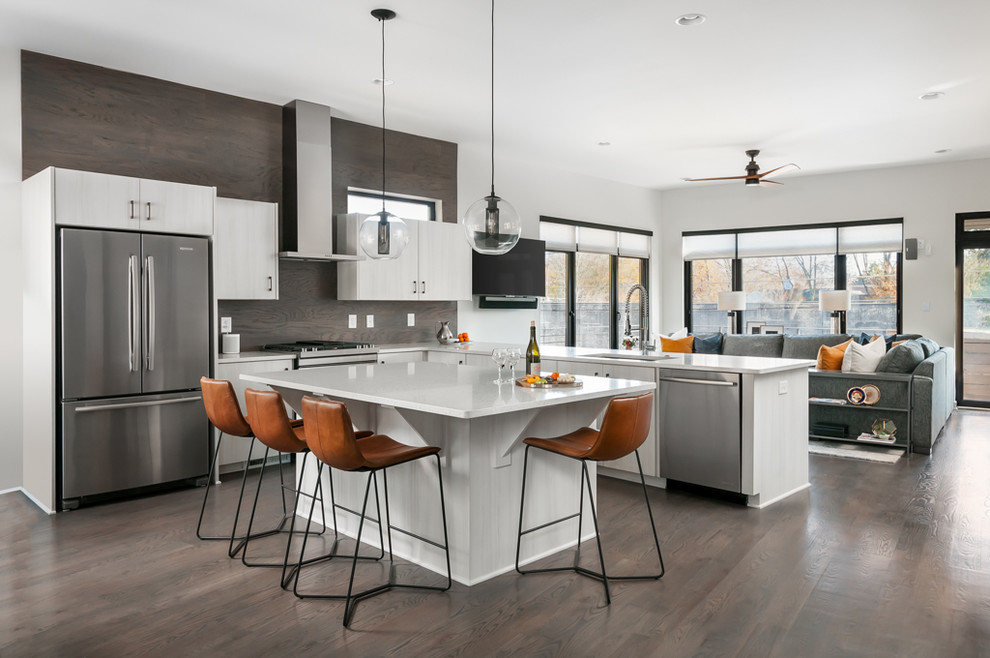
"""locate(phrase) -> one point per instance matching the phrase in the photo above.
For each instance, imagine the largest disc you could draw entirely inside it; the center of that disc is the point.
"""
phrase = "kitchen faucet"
(644, 316)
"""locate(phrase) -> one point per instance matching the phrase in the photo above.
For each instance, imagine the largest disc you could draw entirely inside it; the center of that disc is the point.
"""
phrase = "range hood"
(307, 212)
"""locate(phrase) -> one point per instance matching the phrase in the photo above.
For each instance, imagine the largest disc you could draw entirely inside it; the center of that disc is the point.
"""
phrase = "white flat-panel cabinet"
(234, 449)
(401, 357)
(435, 265)
(84, 198)
(245, 249)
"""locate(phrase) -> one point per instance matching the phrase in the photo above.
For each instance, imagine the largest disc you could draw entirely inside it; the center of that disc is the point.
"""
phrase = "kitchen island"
(479, 425)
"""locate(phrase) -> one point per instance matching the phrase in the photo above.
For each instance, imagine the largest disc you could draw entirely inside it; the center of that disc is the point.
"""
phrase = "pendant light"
(383, 236)
(491, 224)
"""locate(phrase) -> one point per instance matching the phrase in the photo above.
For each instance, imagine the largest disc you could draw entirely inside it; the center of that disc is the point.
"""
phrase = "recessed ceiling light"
(690, 19)
(386, 82)
(604, 143)
(932, 95)
(943, 150)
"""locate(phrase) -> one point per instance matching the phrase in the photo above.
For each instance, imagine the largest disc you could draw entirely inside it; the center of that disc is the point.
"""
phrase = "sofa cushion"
(750, 345)
(928, 345)
(806, 347)
(680, 333)
(685, 344)
(830, 358)
(708, 343)
(903, 359)
(864, 358)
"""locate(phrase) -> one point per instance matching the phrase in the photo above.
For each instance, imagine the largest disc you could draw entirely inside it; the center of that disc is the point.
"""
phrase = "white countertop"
(754, 365)
(253, 356)
(448, 390)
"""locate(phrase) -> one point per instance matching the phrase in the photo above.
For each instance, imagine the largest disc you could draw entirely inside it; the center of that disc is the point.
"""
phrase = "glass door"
(973, 304)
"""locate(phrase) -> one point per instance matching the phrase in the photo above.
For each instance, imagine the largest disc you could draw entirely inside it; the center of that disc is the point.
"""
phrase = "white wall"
(927, 197)
(533, 191)
(10, 269)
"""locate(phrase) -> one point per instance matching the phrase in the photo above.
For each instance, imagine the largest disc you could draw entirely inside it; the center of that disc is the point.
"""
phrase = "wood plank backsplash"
(87, 117)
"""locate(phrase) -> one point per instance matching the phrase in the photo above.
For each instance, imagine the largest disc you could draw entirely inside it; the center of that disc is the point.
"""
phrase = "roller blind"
(559, 237)
(596, 240)
(703, 247)
(634, 245)
(569, 237)
(798, 242)
(870, 238)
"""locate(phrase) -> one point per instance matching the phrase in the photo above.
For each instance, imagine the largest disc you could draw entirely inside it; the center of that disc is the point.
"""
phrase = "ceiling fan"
(752, 177)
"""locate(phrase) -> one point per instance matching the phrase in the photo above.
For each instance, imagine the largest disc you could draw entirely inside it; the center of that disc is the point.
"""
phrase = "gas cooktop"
(305, 346)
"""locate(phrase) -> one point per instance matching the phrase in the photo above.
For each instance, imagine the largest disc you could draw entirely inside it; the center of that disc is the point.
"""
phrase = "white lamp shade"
(734, 300)
(834, 300)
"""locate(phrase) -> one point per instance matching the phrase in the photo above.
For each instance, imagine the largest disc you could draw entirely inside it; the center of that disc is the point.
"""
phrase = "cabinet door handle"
(148, 205)
(132, 208)
(414, 287)
(269, 284)
(423, 285)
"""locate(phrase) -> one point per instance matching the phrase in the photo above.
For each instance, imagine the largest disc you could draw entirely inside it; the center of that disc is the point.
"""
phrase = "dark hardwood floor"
(874, 560)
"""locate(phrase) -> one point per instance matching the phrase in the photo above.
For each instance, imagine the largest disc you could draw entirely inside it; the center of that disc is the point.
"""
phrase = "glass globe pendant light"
(383, 236)
(491, 225)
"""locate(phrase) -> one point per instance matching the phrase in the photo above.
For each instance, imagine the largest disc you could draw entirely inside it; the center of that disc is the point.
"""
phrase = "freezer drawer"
(123, 443)
(700, 428)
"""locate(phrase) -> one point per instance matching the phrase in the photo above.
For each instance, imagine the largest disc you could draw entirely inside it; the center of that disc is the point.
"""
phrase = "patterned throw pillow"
(830, 358)
(677, 344)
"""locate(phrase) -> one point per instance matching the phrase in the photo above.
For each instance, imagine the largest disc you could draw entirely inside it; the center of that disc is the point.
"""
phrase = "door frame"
(966, 240)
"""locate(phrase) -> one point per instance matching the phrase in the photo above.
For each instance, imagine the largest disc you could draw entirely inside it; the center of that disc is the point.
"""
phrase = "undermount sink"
(632, 356)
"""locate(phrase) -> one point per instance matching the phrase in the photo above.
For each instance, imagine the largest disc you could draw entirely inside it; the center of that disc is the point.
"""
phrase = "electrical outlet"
(369, 321)
(352, 321)
(226, 326)
(782, 387)
(926, 307)
(410, 319)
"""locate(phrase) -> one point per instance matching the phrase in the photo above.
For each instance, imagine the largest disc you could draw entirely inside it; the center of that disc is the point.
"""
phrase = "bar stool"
(224, 412)
(625, 427)
(330, 435)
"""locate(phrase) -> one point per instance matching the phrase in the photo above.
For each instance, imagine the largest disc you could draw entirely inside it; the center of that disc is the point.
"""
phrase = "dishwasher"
(700, 428)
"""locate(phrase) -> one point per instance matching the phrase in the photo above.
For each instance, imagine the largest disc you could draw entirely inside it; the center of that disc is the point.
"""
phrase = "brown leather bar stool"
(625, 427)
(224, 412)
(330, 435)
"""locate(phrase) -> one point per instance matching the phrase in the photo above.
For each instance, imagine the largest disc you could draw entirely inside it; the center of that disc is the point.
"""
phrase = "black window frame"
(431, 205)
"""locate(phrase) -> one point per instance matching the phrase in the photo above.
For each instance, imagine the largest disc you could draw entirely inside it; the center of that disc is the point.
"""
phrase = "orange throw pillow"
(830, 358)
(684, 345)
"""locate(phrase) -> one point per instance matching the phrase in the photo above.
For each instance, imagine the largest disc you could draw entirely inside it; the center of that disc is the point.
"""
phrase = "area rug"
(853, 451)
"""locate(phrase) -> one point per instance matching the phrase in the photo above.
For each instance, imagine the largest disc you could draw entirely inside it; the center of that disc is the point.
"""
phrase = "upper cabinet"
(245, 249)
(435, 265)
(85, 198)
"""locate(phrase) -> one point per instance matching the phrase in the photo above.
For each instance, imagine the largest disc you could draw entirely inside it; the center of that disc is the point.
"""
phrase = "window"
(366, 202)
(784, 270)
(590, 269)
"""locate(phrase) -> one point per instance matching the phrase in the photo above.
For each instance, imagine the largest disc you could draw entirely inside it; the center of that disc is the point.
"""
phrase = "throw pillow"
(865, 338)
(830, 358)
(676, 344)
(903, 359)
(680, 333)
(863, 358)
(708, 344)
(928, 345)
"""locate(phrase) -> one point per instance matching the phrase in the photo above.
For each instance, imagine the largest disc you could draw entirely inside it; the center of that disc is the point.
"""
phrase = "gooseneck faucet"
(644, 315)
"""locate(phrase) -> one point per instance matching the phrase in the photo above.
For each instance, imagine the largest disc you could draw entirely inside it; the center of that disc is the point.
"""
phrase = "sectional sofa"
(924, 390)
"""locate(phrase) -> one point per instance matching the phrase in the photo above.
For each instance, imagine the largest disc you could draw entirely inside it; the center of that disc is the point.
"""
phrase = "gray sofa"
(928, 391)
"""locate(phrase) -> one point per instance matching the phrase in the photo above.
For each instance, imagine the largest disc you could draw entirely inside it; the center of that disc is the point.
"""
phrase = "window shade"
(589, 239)
(559, 237)
(596, 240)
(798, 242)
(634, 245)
(870, 238)
(981, 224)
(703, 247)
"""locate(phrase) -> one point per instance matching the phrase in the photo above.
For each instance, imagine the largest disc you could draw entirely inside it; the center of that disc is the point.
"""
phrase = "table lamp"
(836, 301)
(732, 301)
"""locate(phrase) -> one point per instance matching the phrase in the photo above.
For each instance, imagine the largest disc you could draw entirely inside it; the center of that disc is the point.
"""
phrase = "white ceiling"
(832, 86)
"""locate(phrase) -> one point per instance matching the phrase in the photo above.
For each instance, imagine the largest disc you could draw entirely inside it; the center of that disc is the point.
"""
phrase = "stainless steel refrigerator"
(134, 340)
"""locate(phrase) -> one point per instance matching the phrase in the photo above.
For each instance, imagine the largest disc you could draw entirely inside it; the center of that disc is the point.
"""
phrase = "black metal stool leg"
(206, 495)
(649, 511)
(231, 549)
(598, 538)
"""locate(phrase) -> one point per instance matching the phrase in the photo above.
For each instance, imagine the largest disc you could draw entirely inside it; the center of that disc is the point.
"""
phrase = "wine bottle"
(532, 352)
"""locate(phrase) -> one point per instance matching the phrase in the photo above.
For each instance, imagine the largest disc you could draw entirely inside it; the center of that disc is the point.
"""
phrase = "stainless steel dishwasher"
(700, 428)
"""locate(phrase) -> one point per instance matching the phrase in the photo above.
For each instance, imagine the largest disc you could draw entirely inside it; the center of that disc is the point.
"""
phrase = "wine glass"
(499, 355)
(512, 358)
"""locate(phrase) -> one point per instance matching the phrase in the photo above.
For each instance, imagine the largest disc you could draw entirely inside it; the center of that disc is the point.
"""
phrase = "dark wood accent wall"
(81, 116)
(308, 309)
(415, 165)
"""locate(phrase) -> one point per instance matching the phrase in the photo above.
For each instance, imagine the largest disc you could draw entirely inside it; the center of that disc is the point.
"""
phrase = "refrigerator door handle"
(131, 405)
(149, 330)
(132, 320)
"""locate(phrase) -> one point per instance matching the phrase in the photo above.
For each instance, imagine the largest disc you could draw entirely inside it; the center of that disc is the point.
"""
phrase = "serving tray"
(577, 383)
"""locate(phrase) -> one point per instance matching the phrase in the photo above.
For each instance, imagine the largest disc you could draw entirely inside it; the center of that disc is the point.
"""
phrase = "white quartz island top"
(454, 391)
(748, 365)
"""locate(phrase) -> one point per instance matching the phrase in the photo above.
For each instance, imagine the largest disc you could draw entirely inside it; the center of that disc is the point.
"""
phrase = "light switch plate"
(410, 319)
(782, 387)
(352, 321)
(226, 326)
(370, 321)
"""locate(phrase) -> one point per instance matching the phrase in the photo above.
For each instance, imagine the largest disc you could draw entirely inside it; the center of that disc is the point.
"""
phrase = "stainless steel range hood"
(307, 212)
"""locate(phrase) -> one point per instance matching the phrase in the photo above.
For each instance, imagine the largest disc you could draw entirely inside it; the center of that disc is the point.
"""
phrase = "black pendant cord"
(382, 21)
(493, 97)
